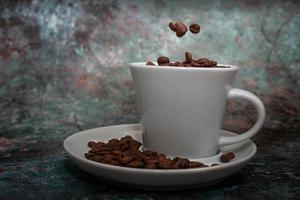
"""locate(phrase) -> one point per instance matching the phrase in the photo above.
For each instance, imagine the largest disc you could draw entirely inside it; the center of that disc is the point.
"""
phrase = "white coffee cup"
(182, 108)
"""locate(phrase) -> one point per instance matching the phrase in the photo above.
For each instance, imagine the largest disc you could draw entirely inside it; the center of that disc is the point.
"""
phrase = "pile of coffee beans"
(125, 152)
(189, 62)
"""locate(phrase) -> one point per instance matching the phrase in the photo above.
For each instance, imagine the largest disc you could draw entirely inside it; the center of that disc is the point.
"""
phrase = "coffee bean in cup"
(189, 62)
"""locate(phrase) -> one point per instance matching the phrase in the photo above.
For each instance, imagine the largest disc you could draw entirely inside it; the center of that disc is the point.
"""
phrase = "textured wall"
(64, 64)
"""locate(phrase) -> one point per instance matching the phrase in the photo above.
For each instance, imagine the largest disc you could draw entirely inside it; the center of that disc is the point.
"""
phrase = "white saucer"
(76, 145)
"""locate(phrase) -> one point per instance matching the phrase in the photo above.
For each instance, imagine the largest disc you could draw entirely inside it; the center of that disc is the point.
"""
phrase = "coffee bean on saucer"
(165, 164)
(188, 58)
(91, 144)
(195, 28)
(150, 166)
(194, 164)
(181, 29)
(172, 26)
(135, 164)
(163, 60)
(214, 164)
(226, 157)
(150, 63)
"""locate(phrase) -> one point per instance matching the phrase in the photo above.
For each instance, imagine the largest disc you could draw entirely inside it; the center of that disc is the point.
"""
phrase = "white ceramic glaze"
(76, 145)
(182, 108)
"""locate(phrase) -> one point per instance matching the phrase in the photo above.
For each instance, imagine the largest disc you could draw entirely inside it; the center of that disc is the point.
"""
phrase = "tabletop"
(64, 69)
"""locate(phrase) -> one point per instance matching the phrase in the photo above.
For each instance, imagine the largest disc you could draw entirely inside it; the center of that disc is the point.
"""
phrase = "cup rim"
(156, 66)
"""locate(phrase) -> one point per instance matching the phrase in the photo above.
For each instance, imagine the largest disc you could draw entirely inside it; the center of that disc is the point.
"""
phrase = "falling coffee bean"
(172, 26)
(195, 28)
(180, 29)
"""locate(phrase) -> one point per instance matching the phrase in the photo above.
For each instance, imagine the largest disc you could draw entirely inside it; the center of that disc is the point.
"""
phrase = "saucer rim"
(155, 171)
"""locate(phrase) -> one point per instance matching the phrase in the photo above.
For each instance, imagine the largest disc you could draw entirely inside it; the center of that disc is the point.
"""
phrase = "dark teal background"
(64, 68)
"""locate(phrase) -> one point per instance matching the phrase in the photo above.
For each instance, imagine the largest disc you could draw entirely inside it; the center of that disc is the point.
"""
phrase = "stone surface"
(63, 68)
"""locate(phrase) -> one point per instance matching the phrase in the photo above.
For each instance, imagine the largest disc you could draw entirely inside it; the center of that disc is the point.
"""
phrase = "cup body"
(182, 109)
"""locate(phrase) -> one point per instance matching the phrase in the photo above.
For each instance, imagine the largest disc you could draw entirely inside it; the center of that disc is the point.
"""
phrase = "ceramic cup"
(182, 108)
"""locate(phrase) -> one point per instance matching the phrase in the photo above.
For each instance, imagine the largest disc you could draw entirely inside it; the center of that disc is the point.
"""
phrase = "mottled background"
(64, 68)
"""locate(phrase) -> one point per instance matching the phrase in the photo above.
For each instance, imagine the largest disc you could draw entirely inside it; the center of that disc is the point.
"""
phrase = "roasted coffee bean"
(213, 63)
(150, 153)
(195, 28)
(165, 164)
(181, 29)
(161, 157)
(202, 60)
(124, 147)
(184, 163)
(91, 144)
(226, 157)
(188, 58)
(150, 166)
(117, 152)
(214, 164)
(135, 163)
(126, 138)
(114, 162)
(194, 64)
(113, 141)
(177, 64)
(194, 164)
(150, 63)
(163, 60)
(172, 26)
(126, 159)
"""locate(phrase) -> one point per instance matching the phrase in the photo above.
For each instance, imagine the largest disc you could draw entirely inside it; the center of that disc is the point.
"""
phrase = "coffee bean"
(162, 157)
(184, 163)
(126, 159)
(188, 58)
(214, 63)
(230, 155)
(113, 141)
(194, 64)
(150, 63)
(135, 163)
(195, 28)
(172, 26)
(163, 60)
(117, 152)
(150, 166)
(181, 29)
(194, 164)
(214, 164)
(226, 157)
(202, 60)
(114, 162)
(165, 164)
(91, 144)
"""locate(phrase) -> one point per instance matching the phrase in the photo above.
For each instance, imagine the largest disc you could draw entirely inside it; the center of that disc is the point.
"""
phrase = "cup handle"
(261, 113)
